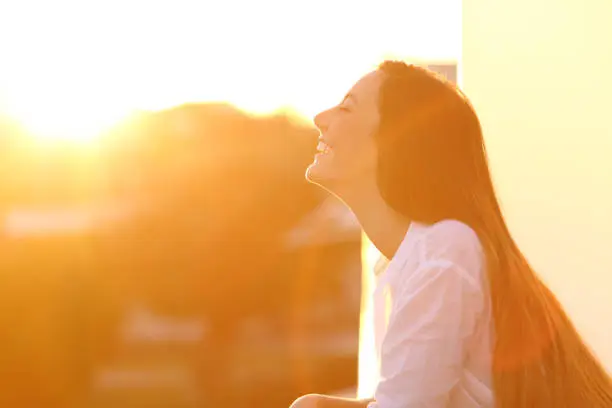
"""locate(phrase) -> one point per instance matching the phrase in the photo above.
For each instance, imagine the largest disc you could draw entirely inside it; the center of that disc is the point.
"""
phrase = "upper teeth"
(322, 147)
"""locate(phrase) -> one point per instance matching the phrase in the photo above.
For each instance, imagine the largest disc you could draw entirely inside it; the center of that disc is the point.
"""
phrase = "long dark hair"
(434, 166)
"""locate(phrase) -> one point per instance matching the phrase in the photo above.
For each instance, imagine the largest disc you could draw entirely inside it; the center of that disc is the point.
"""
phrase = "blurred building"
(543, 94)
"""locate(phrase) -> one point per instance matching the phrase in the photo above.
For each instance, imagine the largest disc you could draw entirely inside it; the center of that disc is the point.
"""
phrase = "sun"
(66, 120)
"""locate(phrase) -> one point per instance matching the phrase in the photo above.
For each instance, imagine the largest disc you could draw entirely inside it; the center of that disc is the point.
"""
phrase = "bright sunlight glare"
(66, 120)
(75, 68)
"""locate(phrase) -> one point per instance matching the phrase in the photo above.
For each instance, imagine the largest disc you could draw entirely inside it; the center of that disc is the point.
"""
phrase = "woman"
(470, 323)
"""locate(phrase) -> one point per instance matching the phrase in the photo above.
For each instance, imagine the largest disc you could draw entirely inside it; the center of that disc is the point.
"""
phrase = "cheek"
(369, 156)
(359, 157)
(355, 149)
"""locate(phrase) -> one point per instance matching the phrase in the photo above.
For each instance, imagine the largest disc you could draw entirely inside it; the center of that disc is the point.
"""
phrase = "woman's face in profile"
(347, 150)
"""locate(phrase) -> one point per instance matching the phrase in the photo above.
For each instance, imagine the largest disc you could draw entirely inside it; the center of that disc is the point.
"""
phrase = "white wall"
(540, 76)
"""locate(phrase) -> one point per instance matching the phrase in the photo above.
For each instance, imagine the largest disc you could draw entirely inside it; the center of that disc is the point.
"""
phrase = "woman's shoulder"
(449, 241)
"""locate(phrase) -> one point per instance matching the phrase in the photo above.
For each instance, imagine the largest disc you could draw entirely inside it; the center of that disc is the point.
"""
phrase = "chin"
(324, 173)
(312, 174)
(315, 174)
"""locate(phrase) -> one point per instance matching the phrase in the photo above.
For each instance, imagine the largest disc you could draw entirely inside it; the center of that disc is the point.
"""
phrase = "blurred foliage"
(210, 191)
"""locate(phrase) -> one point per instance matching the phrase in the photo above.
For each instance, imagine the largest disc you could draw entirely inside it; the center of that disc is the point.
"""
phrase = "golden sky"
(72, 67)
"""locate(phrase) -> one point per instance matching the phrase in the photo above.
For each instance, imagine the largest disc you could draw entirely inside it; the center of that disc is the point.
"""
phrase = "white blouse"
(432, 322)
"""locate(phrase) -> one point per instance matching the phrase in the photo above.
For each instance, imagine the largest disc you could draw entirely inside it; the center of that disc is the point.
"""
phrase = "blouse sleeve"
(435, 310)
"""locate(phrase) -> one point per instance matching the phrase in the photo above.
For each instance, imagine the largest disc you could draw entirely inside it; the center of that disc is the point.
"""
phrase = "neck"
(385, 227)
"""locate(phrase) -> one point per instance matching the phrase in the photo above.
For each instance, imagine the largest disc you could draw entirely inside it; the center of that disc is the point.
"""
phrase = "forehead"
(367, 88)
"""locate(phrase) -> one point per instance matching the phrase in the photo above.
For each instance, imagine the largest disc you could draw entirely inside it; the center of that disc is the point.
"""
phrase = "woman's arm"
(336, 402)
(326, 401)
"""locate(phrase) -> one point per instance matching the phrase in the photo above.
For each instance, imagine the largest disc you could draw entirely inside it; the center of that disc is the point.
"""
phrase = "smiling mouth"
(323, 148)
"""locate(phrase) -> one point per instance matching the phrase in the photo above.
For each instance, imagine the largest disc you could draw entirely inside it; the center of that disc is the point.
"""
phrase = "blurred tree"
(219, 189)
(214, 190)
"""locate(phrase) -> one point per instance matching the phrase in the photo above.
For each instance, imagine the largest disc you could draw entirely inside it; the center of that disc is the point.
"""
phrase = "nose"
(321, 120)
